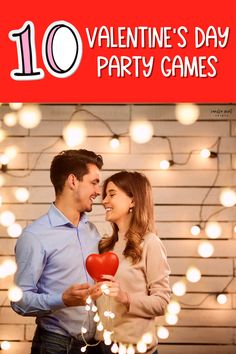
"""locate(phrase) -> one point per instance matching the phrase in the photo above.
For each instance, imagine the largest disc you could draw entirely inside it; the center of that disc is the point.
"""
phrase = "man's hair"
(72, 162)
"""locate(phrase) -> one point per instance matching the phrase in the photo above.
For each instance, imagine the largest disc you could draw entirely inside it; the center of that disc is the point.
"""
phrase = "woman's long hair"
(137, 187)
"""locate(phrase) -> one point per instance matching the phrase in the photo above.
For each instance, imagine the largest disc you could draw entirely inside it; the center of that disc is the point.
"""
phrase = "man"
(51, 254)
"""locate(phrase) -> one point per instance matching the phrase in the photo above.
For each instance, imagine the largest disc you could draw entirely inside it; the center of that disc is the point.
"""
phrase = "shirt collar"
(57, 218)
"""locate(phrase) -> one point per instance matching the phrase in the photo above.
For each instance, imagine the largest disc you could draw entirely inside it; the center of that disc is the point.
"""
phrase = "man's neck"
(69, 210)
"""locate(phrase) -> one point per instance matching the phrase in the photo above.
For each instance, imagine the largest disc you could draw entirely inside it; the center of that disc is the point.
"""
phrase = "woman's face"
(117, 204)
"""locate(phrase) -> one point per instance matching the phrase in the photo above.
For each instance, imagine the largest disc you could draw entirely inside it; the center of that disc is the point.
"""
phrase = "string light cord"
(36, 161)
(208, 295)
(80, 109)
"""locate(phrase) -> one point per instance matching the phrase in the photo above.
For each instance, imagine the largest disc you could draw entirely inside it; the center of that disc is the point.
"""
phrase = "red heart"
(99, 264)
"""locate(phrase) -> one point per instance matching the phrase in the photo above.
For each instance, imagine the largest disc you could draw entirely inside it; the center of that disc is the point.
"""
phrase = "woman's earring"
(130, 210)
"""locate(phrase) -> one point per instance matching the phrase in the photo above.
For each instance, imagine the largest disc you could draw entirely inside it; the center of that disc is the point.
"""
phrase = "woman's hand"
(116, 291)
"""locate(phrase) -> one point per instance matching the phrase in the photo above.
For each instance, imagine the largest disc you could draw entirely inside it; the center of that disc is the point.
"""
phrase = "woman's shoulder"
(151, 240)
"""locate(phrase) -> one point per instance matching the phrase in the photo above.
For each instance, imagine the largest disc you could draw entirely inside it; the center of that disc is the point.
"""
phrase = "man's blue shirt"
(50, 256)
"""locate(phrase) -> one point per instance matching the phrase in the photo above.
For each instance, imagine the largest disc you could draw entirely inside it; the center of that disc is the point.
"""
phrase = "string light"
(114, 348)
(205, 249)
(147, 338)
(195, 230)
(11, 152)
(5, 345)
(186, 113)
(173, 307)
(115, 142)
(141, 347)
(14, 230)
(8, 267)
(10, 119)
(179, 288)
(193, 274)
(15, 293)
(141, 131)
(206, 153)
(165, 164)
(7, 218)
(171, 318)
(162, 332)
(222, 299)
(130, 349)
(22, 194)
(213, 229)
(74, 134)
(29, 116)
(228, 197)
(15, 105)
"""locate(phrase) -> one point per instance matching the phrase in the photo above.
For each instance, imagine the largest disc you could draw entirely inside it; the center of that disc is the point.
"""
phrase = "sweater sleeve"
(157, 273)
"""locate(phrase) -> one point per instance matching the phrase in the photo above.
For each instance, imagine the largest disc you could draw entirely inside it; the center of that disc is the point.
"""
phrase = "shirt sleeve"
(31, 260)
(157, 278)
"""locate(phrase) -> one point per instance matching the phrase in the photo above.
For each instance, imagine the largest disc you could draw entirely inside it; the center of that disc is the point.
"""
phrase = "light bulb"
(122, 349)
(4, 159)
(74, 134)
(7, 268)
(222, 299)
(2, 135)
(186, 113)
(213, 229)
(10, 119)
(11, 152)
(7, 218)
(235, 228)
(94, 308)
(114, 142)
(141, 131)
(164, 164)
(83, 349)
(130, 349)
(5, 345)
(195, 230)
(141, 347)
(84, 330)
(14, 230)
(114, 348)
(193, 274)
(100, 326)
(87, 308)
(96, 318)
(171, 318)
(15, 105)
(22, 194)
(173, 307)
(205, 249)
(162, 332)
(205, 153)
(29, 116)
(147, 338)
(88, 300)
(179, 288)
(15, 293)
(228, 197)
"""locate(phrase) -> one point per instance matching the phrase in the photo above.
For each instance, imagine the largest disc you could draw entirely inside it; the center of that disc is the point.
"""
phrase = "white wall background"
(178, 194)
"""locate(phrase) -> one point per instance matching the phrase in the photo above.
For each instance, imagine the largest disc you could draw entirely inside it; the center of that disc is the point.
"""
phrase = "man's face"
(88, 189)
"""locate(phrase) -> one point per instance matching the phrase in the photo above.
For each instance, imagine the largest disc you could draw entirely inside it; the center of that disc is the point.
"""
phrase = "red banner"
(118, 51)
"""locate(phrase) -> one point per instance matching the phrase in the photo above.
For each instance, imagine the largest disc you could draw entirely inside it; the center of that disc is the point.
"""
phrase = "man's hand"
(77, 294)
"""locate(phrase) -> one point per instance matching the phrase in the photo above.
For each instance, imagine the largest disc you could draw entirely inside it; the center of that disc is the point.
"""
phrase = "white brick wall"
(178, 193)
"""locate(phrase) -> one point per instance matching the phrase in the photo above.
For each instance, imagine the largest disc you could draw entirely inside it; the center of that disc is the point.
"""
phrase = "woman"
(140, 289)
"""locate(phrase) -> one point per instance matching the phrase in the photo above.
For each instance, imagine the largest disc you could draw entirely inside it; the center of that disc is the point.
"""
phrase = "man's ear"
(72, 181)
